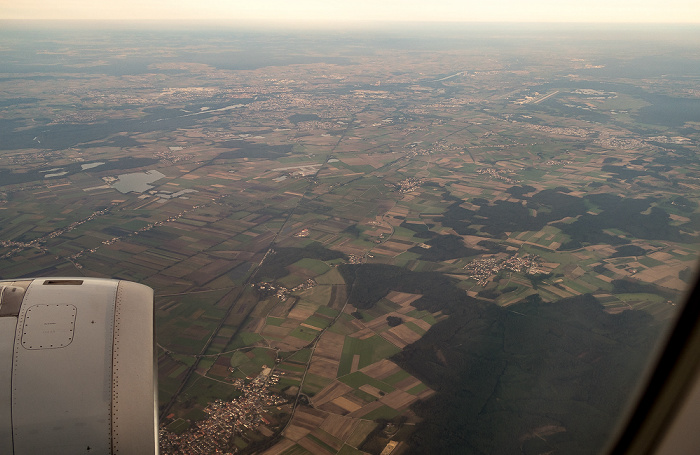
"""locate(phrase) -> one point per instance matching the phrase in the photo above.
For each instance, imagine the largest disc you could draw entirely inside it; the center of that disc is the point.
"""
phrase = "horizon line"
(338, 24)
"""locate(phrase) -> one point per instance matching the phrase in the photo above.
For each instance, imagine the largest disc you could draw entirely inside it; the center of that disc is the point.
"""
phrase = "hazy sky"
(325, 11)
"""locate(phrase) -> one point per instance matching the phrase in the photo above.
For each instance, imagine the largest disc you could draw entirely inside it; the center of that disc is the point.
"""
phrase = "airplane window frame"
(676, 369)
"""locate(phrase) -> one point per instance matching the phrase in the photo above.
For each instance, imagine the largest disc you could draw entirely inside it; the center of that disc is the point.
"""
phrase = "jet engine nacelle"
(77, 367)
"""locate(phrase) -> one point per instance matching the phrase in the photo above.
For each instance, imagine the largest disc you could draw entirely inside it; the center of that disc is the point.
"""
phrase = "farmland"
(406, 253)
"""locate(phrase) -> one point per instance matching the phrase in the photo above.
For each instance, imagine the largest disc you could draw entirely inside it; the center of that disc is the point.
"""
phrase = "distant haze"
(299, 12)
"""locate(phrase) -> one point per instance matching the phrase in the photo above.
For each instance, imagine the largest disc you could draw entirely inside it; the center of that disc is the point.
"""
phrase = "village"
(282, 292)
(482, 270)
(497, 174)
(409, 184)
(226, 419)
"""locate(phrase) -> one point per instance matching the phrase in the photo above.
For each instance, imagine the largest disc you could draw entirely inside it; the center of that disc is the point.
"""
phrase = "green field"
(370, 350)
(358, 379)
(313, 265)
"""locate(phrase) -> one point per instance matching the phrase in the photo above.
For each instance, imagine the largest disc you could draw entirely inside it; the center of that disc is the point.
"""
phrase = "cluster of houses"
(498, 174)
(482, 270)
(226, 419)
(280, 291)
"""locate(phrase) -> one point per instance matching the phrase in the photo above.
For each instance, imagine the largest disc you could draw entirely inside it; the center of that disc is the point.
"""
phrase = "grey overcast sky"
(331, 11)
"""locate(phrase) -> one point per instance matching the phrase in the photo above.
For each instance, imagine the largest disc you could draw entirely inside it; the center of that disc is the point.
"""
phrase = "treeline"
(502, 374)
(627, 286)
(246, 149)
(368, 283)
(443, 248)
(275, 265)
(628, 250)
(547, 206)
(500, 217)
(624, 214)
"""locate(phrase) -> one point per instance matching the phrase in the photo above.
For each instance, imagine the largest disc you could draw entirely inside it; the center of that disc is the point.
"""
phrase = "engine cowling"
(77, 367)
